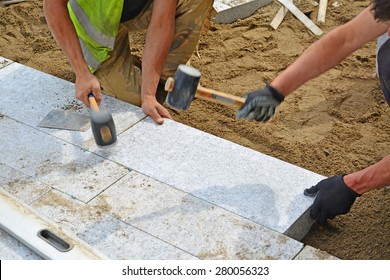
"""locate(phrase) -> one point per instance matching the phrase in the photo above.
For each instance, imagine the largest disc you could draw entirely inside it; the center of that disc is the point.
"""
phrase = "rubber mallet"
(102, 124)
(184, 87)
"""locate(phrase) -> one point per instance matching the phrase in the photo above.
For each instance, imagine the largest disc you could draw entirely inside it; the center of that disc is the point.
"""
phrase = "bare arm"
(62, 29)
(323, 55)
(373, 177)
(330, 50)
(158, 41)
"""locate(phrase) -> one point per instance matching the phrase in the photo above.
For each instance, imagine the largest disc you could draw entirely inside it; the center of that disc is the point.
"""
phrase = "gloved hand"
(260, 105)
(334, 198)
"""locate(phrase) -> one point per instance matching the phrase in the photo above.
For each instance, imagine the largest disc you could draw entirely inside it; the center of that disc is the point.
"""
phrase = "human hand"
(260, 105)
(87, 84)
(334, 198)
(155, 110)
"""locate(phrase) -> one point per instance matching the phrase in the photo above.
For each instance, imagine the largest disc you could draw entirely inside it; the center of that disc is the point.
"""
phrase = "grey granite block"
(23, 187)
(12, 249)
(256, 186)
(56, 163)
(109, 235)
(310, 253)
(192, 224)
(301, 226)
(28, 95)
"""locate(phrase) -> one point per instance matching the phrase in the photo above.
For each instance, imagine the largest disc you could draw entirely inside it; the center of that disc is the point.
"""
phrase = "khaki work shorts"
(120, 75)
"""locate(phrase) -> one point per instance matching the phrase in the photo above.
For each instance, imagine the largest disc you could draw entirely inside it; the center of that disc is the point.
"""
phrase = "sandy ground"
(337, 123)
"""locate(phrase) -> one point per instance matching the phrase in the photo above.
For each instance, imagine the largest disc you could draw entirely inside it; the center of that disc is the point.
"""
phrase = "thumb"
(311, 191)
(315, 189)
(156, 117)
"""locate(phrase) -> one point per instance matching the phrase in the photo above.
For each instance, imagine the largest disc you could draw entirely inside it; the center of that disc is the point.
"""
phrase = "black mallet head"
(102, 124)
(103, 128)
(182, 88)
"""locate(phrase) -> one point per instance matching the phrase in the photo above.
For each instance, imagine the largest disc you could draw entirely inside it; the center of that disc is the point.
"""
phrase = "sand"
(337, 123)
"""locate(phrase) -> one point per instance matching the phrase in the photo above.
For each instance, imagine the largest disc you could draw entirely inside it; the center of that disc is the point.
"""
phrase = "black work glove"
(334, 198)
(260, 105)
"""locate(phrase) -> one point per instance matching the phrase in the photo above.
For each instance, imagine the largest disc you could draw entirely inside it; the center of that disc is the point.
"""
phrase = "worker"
(334, 195)
(94, 35)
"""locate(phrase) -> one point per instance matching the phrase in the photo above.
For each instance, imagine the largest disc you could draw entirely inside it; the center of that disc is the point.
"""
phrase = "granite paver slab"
(54, 162)
(23, 187)
(192, 224)
(28, 95)
(256, 186)
(112, 237)
(310, 253)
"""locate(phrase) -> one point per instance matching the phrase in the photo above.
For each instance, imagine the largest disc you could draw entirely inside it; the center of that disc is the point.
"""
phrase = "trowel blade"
(65, 119)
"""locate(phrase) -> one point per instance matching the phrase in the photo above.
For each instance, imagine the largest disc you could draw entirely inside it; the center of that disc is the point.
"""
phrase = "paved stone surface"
(161, 192)
(28, 95)
(21, 186)
(56, 163)
(256, 186)
(187, 222)
(110, 236)
(310, 253)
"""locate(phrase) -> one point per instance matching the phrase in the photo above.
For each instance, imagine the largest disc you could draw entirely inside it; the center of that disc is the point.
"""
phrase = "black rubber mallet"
(102, 124)
(184, 87)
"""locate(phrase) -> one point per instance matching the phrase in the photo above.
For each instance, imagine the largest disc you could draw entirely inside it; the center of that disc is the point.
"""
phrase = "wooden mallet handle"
(209, 94)
(219, 97)
(103, 128)
(92, 102)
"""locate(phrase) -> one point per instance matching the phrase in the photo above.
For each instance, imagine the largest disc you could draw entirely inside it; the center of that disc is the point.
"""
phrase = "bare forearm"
(62, 29)
(317, 59)
(373, 177)
(329, 51)
(158, 42)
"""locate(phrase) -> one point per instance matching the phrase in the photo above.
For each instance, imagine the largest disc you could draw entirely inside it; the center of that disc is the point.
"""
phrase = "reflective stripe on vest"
(96, 23)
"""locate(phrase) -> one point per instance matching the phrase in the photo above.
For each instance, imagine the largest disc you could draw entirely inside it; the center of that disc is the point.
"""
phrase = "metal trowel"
(65, 119)
(4, 3)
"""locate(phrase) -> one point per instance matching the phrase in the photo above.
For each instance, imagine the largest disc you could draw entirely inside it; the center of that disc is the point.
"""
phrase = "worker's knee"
(131, 97)
(192, 5)
(123, 85)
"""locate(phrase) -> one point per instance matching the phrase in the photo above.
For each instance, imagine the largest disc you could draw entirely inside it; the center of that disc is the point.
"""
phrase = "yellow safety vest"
(96, 23)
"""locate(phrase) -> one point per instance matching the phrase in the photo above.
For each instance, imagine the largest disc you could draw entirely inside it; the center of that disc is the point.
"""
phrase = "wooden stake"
(279, 17)
(301, 16)
(322, 11)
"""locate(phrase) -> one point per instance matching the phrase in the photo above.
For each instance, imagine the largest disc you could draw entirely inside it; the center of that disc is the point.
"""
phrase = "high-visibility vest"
(96, 23)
